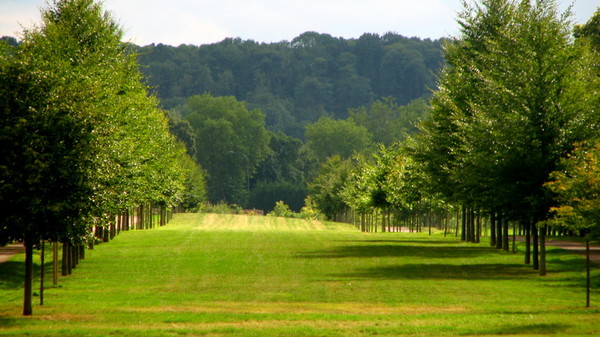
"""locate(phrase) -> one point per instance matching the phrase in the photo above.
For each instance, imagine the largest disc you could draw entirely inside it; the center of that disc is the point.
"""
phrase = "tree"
(328, 137)
(80, 138)
(577, 187)
(326, 188)
(513, 99)
(389, 122)
(231, 142)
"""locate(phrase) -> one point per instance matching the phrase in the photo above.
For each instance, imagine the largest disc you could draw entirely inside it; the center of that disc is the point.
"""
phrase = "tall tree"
(231, 142)
(79, 136)
(328, 137)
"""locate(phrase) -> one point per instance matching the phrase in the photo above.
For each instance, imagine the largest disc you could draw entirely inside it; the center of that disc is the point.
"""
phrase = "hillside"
(297, 81)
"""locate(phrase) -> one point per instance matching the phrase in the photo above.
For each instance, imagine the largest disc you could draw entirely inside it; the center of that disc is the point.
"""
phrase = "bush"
(283, 210)
(220, 208)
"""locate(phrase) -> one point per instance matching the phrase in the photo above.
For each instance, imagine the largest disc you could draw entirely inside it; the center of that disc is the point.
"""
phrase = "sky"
(197, 22)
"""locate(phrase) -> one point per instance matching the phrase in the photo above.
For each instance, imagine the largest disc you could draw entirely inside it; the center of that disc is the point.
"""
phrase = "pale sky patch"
(176, 22)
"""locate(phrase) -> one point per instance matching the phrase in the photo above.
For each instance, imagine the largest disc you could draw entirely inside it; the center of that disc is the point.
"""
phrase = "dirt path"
(578, 247)
(8, 251)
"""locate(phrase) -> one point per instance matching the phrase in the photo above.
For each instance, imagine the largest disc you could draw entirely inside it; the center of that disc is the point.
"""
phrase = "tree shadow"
(8, 321)
(397, 250)
(12, 274)
(401, 241)
(528, 329)
(441, 271)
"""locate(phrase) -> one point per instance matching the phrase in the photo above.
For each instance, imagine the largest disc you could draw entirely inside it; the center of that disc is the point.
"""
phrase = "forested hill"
(299, 81)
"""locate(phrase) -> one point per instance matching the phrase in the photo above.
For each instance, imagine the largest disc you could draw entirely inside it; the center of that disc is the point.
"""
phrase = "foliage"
(513, 99)
(326, 188)
(80, 139)
(264, 195)
(328, 137)
(281, 210)
(577, 187)
(298, 81)
(220, 208)
(231, 142)
(194, 193)
(285, 161)
(389, 122)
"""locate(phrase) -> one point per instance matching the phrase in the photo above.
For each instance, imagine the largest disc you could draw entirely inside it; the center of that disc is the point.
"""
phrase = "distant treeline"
(295, 83)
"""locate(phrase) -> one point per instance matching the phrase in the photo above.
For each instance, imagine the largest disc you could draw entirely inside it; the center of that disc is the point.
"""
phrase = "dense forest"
(297, 82)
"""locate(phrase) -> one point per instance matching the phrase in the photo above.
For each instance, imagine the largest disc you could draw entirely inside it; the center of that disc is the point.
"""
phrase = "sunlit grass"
(236, 275)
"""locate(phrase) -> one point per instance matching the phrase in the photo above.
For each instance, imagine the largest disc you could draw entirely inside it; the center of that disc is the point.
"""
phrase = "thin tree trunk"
(587, 269)
(527, 227)
(493, 229)
(499, 235)
(28, 288)
(65, 259)
(463, 234)
(42, 269)
(514, 238)
(536, 260)
(478, 231)
(55, 263)
(505, 241)
(543, 251)
(429, 219)
(446, 222)
(69, 259)
(457, 221)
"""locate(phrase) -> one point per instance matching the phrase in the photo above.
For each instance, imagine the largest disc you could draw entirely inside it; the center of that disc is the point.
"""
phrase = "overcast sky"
(208, 21)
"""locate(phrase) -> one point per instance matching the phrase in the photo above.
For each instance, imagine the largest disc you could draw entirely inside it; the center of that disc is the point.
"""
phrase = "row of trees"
(81, 141)
(518, 93)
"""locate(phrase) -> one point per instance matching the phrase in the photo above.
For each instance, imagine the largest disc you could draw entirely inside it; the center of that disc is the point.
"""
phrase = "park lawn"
(236, 275)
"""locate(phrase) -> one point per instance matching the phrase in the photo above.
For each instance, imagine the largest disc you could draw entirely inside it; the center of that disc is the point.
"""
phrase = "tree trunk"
(499, 231)
(446, 222)
(69, 259)
(505, 241)
(527, 227)
(65, 259)
(457, 221)
(43, 251)
(536, 260)
(587, 273)
(543, 251)
(429, 219)
(27, 309)
(478, 228)
(55, 263)
(463, 234)
(493, 229)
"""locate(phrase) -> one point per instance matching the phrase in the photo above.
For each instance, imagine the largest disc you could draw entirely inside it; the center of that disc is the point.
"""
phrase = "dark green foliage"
(285, 162)
(265, 194)
(80, 139)
(328, 137)
(231, 142)
(326, 188)
(515, 96)
(298, 81)
(388, 122)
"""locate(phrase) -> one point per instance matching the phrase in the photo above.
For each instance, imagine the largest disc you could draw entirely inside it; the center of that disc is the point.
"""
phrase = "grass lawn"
(235, 275)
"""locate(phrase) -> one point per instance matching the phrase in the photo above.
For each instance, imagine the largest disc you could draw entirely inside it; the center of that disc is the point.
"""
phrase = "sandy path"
(579, 248)
(8, 251)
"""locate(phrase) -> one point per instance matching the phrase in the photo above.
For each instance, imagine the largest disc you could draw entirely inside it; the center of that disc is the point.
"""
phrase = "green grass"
(235, 275)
